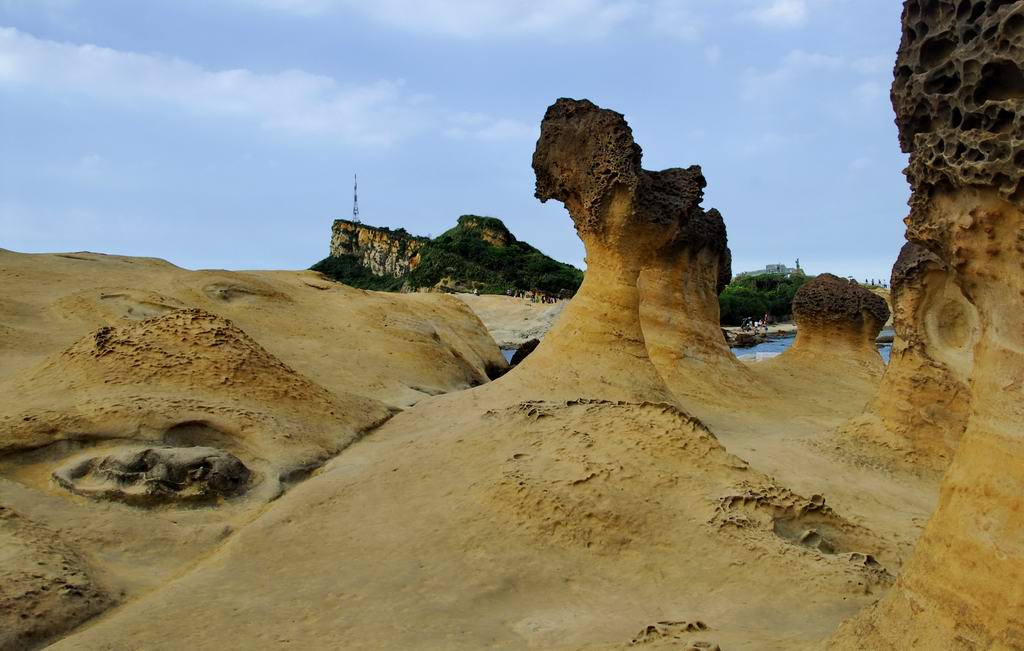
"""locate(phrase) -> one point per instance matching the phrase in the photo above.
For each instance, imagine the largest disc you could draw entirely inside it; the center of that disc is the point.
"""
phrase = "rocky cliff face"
(959, 99)
(383, 251)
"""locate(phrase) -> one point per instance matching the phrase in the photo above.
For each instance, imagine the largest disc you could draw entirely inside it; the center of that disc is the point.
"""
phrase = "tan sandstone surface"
(141, 425)
(607, 492)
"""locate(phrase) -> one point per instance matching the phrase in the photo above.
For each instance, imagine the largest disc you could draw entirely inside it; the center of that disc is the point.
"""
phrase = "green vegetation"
(463, 255)
(757, 294)
(347, 269)
(479, 253)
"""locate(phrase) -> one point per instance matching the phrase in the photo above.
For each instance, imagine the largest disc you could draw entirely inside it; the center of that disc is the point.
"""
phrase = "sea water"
(774, 347)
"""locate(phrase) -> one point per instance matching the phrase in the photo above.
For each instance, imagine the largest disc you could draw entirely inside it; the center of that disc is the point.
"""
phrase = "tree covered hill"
(478, 253)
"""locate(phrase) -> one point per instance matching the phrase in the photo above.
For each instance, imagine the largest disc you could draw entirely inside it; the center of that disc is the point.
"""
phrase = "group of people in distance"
(750, 325)
(532, 296)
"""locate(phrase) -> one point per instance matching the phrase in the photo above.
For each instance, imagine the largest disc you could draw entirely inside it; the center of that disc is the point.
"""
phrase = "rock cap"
(829, 298)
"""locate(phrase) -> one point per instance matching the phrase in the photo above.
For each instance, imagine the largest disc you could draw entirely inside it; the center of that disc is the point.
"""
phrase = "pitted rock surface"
(586, 157)
(830, 298)
(958, 96)
(584, 152)
(912, 260)
(191, 347)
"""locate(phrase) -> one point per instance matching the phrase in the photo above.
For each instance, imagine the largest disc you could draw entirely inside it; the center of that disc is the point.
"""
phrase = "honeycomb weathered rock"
(830, 298)
(587, 159)
(957, 90)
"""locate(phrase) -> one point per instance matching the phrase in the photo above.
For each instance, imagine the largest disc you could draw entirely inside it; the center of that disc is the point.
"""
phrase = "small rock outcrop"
(524, 351)
(959, 100)
(491, 230)
(838, 321)
(834, 356)
(382, 251)
(150, 476)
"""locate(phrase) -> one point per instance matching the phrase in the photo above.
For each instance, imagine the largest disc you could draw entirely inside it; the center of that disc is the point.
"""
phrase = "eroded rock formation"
(836, 314)
(655, 260)
(959, 99)
(921, 408)
(834, 356)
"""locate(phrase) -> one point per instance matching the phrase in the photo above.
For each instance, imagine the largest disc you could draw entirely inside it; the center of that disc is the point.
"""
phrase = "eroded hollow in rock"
(146, 476)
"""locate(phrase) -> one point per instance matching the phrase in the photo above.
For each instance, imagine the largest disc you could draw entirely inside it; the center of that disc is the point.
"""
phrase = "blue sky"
(224, 133)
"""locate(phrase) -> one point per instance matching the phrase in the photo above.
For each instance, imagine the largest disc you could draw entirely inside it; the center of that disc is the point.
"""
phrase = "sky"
(225, 133)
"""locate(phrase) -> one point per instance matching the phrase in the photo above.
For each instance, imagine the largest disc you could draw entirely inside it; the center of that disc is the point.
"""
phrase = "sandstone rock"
(834, 356)
(921, 408)
(45, 588)
(833, 303)
(565, 505)
(957, 92)
(959, 98)
(651, 249)
(279, 370)
(837, 324)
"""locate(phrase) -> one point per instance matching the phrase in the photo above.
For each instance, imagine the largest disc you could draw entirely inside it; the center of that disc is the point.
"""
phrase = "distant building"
(778, 268)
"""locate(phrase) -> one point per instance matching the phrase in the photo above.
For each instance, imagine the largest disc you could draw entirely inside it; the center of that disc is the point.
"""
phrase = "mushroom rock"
(922, 403)
(959, 100)
(837, 324)
(833, 368)
(835, 316)
(650, 249)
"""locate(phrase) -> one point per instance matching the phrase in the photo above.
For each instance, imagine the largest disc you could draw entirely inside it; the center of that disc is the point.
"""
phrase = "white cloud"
(472, 18)
(879, 64)
(759, 85)
(297, 7)
(872, 92)
(487, 128)
(293, 101)
(860, 164)
(675, 18)
(713, 54)
(782, 13)
(869, 76)
(766, 143)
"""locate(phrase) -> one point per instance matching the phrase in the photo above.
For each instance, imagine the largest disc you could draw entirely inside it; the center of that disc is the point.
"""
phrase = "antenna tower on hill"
(355, 198)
